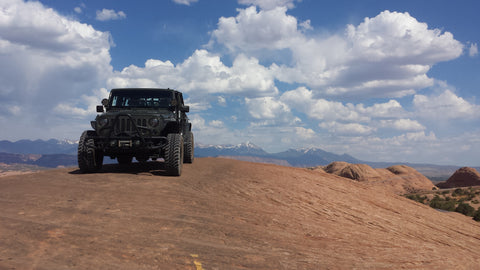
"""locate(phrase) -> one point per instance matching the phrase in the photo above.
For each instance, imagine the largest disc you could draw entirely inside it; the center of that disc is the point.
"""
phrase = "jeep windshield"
(141, 99)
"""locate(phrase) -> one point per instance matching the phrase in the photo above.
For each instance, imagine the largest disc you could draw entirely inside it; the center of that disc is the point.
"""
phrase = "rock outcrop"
(358, 172)
(399, 179)
(463, 177)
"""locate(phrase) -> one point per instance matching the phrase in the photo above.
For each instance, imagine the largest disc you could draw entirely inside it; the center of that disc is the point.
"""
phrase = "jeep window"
(141, 99)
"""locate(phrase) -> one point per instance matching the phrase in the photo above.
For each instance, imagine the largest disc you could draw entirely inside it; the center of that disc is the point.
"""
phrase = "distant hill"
(49, 161)
(41, 147)
(463, 177)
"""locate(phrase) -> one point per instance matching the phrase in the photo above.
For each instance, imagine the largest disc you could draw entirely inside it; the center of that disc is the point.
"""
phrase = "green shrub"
(439, 203)
(476, 215)
(417, 198)
(466, 209)
(422, 199)
(457, 192)
(412, 197)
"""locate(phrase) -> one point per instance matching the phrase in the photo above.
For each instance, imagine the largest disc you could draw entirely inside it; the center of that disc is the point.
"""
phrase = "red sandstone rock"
(399, 179)
(463, 177)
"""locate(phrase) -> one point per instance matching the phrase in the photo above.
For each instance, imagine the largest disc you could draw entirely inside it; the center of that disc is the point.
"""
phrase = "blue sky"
(380, 80)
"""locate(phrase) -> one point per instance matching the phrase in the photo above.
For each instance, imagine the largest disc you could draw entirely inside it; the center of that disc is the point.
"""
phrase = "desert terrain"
(17, 169)
(222, 214)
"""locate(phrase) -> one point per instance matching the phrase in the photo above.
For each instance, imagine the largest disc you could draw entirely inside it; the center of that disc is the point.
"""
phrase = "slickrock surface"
(222, 214)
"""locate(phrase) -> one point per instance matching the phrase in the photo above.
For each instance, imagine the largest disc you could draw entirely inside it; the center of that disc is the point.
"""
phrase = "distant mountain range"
(50, 154)
(53, 153)
(244, 149)
(303, 157)
(39, 147)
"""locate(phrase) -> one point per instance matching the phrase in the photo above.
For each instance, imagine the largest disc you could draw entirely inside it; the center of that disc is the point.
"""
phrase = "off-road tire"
(174, 154)
(89, 159)
(189, 147)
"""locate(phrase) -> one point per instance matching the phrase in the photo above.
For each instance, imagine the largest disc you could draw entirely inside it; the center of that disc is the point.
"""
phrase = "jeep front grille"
(124, 124)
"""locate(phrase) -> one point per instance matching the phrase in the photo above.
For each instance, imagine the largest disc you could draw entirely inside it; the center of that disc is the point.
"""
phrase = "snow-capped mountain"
(67, 142)
(312, 157)
(243, 149)
(296, 157)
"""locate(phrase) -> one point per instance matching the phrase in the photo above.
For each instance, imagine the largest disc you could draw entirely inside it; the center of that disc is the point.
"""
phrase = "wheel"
(189, 147)
(90, 159)
(124, 160)
(174, 154)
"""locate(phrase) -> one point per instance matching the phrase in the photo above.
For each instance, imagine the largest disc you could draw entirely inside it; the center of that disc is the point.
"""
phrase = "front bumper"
(122, 146)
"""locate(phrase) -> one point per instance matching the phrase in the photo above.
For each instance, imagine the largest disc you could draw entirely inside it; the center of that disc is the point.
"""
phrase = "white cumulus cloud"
(385, 56)
(347, 128)
(399, 36)
(270, 4)
(403, 124)
(304, 133)
(202, 73)
(267, 108)
(252, 30)
(390, 109)
(185, 2)
(302, 100)
(110, 14)
(46, 59)
(447, 105)
(473, 50)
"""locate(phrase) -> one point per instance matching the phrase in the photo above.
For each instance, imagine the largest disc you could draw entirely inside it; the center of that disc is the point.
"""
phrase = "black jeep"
(140, 123)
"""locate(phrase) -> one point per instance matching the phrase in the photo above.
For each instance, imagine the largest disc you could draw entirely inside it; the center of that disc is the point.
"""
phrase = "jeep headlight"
(102, 122)
(153, 122)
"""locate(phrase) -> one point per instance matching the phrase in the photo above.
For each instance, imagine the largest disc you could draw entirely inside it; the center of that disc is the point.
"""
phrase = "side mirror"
(185, 109)
(99, 109)
(105, 102)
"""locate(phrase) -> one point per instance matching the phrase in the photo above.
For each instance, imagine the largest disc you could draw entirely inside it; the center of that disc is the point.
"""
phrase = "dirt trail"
(222, 214)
